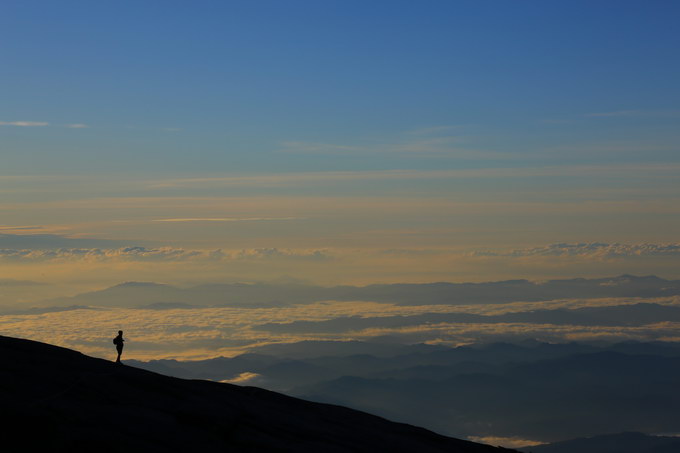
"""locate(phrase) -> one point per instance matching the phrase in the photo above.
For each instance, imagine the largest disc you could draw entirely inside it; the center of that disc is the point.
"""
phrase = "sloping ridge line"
(56, 399)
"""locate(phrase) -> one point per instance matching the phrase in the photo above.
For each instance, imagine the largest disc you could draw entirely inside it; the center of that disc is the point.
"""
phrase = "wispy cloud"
(434, 130)
(20, 228)
(652, 171)
(435, 139)
(228, 219)
(317, 148)
(615, 113)
(297, 179)
(24, 123)
(280, 179)
(555, 121)
(77, 126)
(439, 145)
(635, 113)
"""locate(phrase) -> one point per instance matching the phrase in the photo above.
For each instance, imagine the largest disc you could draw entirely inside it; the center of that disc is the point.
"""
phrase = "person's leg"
(120, 351)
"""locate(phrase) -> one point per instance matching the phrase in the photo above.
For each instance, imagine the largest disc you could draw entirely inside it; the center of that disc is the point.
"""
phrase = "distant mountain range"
(137, 294)
(618, 315)
(58, 400)
(524, 389)
(539, 391)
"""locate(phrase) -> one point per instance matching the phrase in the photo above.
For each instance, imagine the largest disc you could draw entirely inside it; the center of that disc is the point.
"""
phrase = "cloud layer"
(593, 250)
(211, 332)
(157, 254)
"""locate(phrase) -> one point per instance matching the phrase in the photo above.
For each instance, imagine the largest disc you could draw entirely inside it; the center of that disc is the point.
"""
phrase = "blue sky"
(343, 125)
(220, 86)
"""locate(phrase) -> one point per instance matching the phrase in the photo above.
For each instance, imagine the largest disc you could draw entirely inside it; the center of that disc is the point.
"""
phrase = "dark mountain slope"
(56, 399)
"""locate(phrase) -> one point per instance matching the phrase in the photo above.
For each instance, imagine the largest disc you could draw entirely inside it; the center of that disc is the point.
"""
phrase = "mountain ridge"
(136, 294)
(75, 401)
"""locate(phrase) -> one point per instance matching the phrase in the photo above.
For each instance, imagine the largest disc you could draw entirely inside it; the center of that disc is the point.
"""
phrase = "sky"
(337, 142)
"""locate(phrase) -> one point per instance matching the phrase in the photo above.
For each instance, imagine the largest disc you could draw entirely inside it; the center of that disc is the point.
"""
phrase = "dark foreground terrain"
(55, 399)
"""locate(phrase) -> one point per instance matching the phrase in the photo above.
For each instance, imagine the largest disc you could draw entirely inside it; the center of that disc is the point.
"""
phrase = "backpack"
(115, 340)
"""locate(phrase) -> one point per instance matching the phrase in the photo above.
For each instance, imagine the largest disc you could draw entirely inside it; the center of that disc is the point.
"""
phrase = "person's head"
(120, 332)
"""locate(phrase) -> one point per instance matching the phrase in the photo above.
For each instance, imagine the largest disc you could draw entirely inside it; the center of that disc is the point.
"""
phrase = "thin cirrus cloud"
(228, 219)
(650, 171)
(654, 173)
(278, 179)
(20, 228)
(435, 129)
(442, 145)
(24, 123)
(635, 113)
(435, 140)
(41, 124)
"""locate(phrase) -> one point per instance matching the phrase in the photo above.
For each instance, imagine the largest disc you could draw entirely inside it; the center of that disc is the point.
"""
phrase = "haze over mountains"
(139, 294)
(535, 391)
(228, 319)
(513, 362)
(86, 400)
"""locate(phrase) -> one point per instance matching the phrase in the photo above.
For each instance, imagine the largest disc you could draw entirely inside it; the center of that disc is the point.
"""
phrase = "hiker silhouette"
(118, 341)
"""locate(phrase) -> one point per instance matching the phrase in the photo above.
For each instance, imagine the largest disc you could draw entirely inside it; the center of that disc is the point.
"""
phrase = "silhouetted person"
(118, 341)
